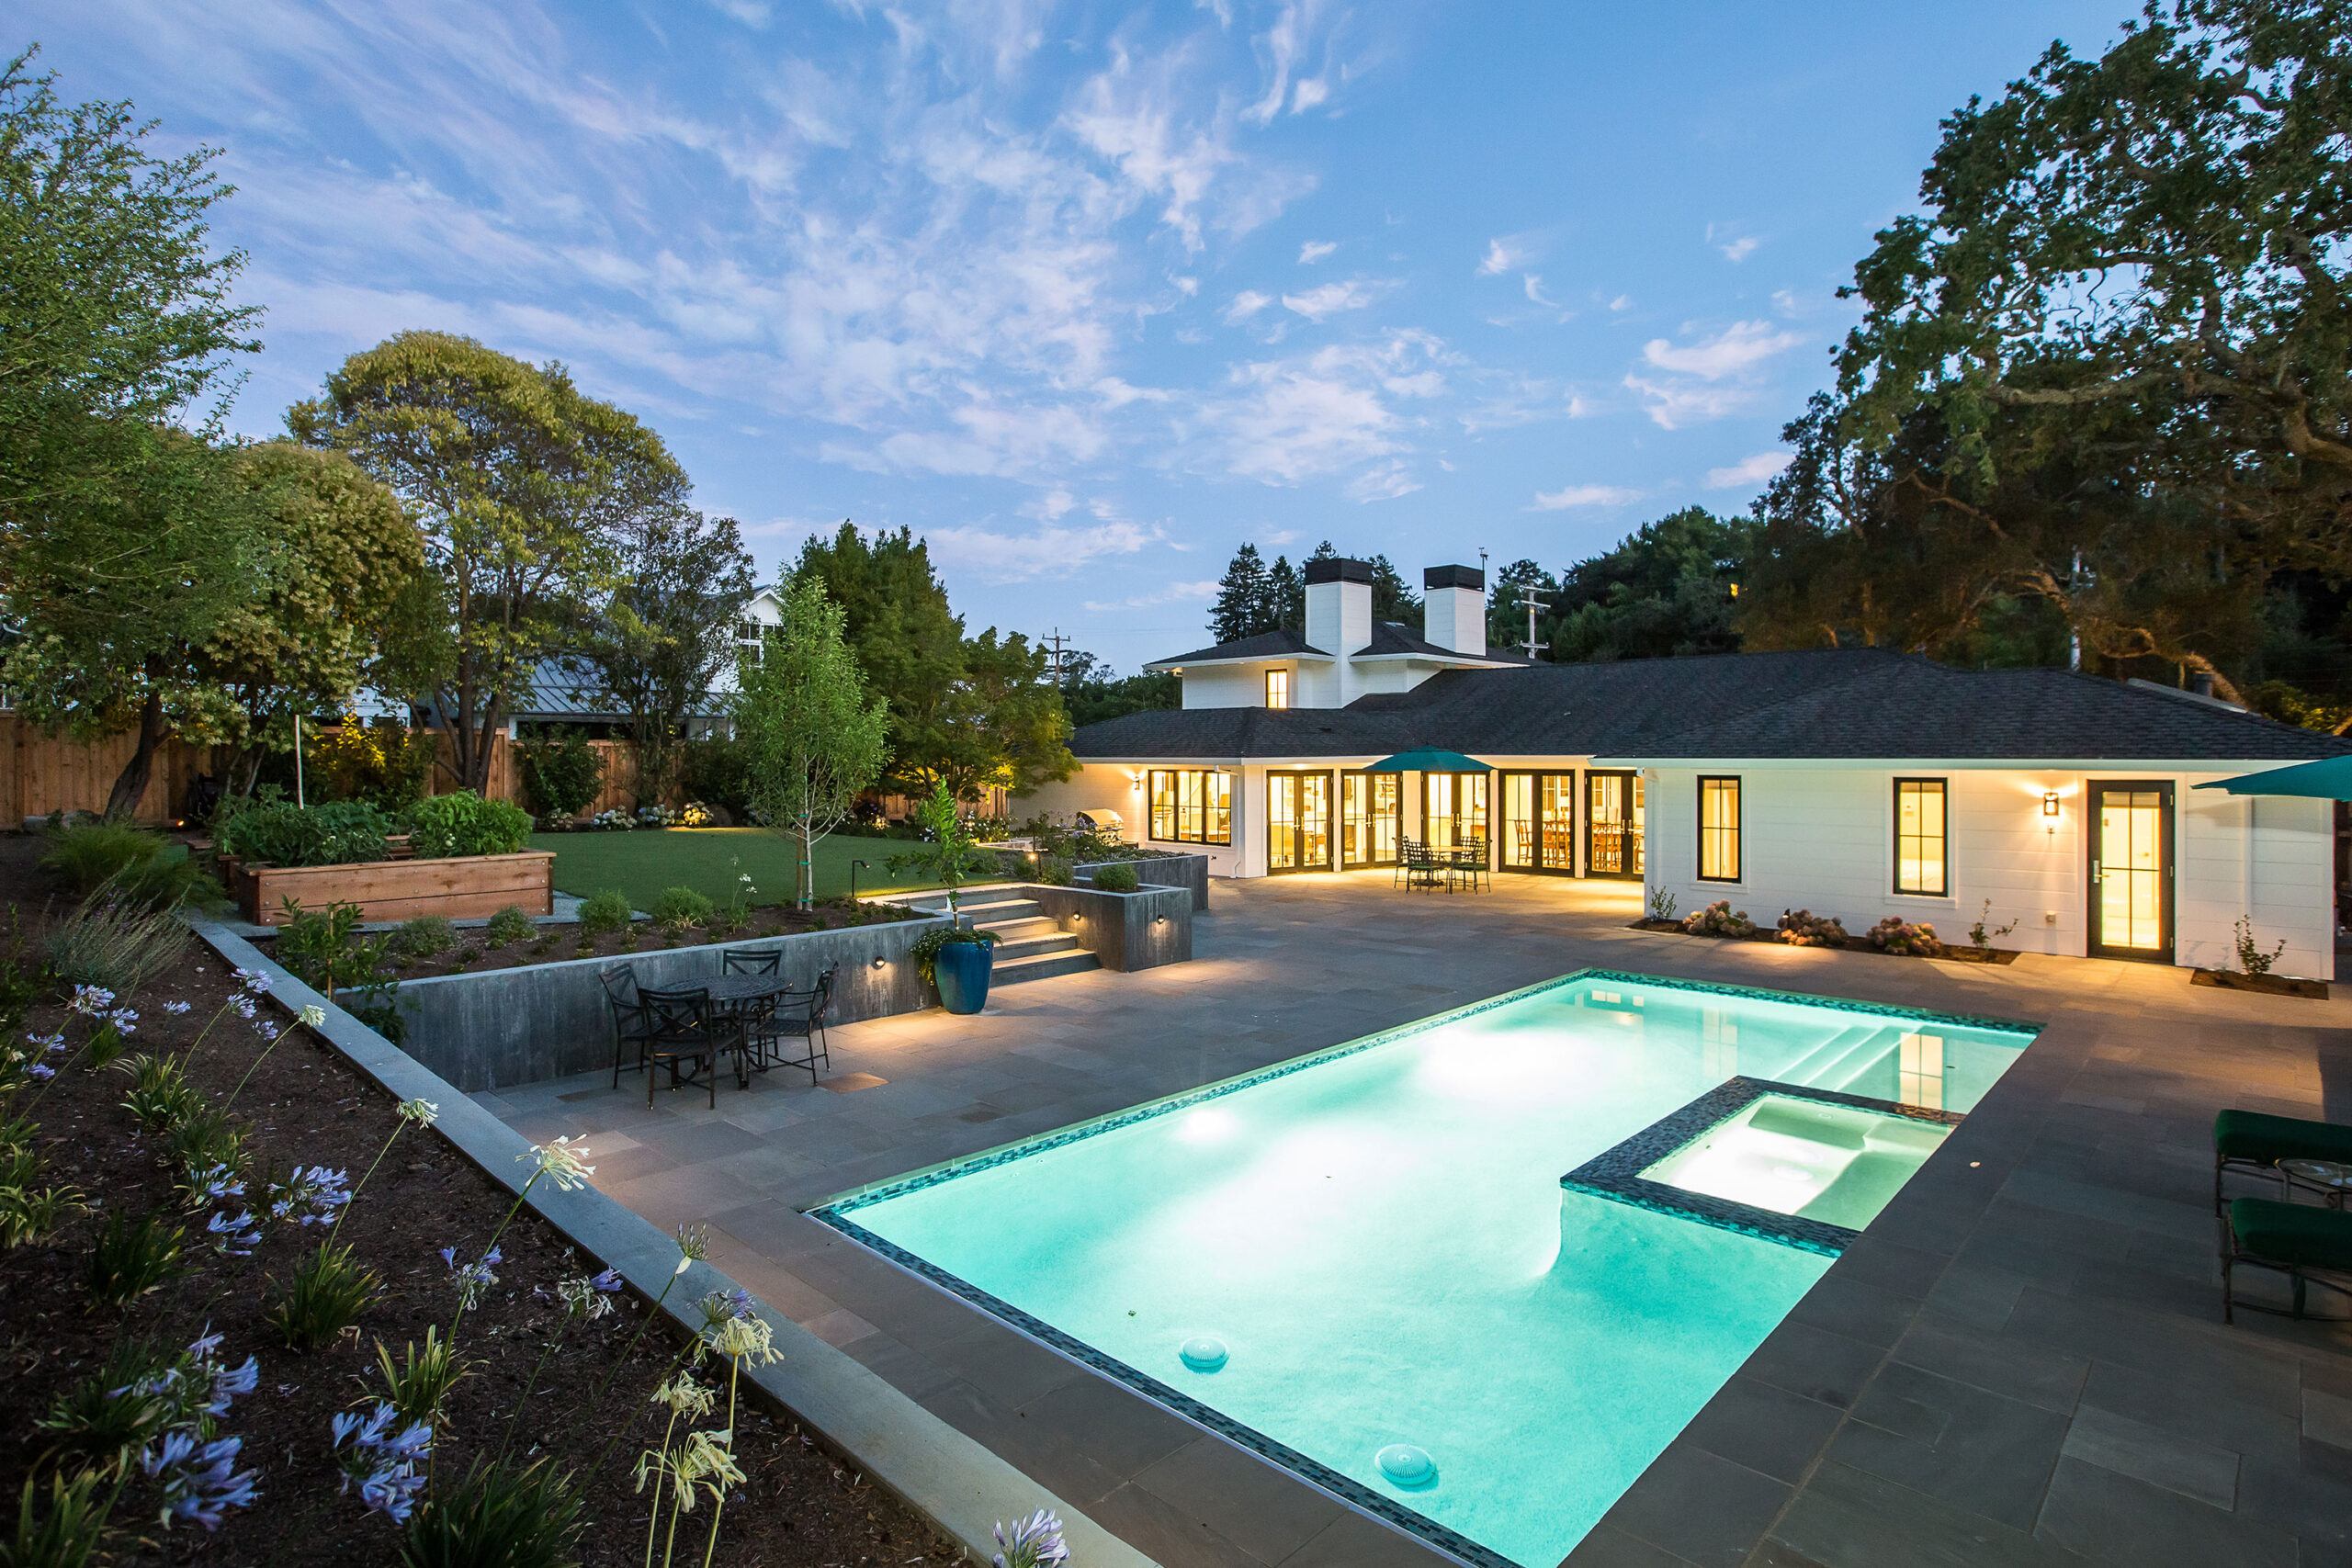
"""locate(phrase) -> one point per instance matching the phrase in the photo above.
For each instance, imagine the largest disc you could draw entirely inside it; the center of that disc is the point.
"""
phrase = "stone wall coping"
(949, 1478)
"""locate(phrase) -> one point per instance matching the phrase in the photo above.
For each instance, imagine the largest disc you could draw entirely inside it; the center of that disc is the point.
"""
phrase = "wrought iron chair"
(795, 1015)
(1426, 870)
(1471, 863)
(630, 1026)
(751, 960)
(1405, 849)
(687, 1034)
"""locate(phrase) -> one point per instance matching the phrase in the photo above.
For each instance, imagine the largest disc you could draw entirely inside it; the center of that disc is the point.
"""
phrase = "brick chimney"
(1455, 613)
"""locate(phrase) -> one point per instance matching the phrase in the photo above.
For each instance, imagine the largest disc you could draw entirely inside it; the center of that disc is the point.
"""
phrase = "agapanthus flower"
(239, 1236)
(216, 1181)
(316, 1193)
(720, 1305)
(610, 1280)
(42, 1071)
(381, 1462)
(198, 1480)
(581, 1299)
(422, 1112)
(561, 1163)
(694, 1243)
(684, 1396)
(91, 1001)
(124, 1019)
(267, 1029)
(244, 1006)
(47, 1042)
(472, 1280)
(253, 981)
(175, 1008)
(1035, 1542)
(313, 1014)
(745, 1340)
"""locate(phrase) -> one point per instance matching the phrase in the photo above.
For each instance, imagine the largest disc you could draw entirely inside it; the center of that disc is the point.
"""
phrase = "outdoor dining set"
(750, 1012)
(1425, 868)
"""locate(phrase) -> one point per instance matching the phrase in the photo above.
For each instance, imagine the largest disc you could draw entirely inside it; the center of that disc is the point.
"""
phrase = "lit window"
(1190, 805)
(1278, 688)
(1718, 829)
(1920, 837)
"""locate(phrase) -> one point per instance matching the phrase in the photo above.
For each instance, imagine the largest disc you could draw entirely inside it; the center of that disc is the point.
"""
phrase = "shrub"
(130, 1259)
(924, 950)
(497, 1514)
(117, 944)
(716, 771)
(1802, 927)
(509, 925)
(704, 814)
(1894, 934)
(422, 937)
(1115, 878)
(140, 866)
(335, 832)
(1057, 871)
(324, 950)
(562, 771)
(603, 913)
(1662, 902)
(466, 824)
(679, 907)
(329, 1292)
(110, 1414)
(382, 761)
(418, 1388)
(160, 1093)
(1717, 919)
(69, 1535)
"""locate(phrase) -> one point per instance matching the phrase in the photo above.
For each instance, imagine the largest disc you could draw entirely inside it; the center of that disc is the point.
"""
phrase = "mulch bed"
(802, 1505)
(1951, 952)
(556, 943)
(2269, 985)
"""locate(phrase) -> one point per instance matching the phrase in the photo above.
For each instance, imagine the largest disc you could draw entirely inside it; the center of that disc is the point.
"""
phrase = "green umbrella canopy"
(2328, 779)
(1428, 760)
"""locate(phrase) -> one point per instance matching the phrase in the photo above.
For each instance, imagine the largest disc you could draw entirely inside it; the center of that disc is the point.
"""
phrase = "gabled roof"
(1284, 643)
(1844, 704)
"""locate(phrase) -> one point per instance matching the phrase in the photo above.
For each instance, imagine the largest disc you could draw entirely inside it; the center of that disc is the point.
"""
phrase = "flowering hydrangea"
(199, 1480)
(381, 1460)
(312, 1194)
(472, 1280)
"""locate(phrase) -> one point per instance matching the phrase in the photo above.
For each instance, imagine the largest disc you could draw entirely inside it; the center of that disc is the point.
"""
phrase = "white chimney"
(1456, 616)
(1339, 622)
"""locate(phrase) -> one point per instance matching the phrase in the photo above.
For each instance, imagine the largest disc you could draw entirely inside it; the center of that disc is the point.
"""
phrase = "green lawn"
(644, 862)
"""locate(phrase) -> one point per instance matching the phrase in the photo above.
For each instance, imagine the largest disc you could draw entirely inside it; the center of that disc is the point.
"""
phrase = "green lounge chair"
(2302, 1241)
(2253, 1142)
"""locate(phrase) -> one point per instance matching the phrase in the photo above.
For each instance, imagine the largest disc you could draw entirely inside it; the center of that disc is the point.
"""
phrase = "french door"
(1298, 822)
(1540, 822)
(1612, 824)
(2130, 869)
(1368, 813)
(1453, 810)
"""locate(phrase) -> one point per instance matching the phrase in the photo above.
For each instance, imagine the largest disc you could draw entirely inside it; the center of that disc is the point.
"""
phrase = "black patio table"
(740, 996)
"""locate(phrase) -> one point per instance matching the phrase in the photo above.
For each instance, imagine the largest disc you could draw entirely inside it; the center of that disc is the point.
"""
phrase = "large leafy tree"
(524, 486)
(1665, 591)
(812, 736)
(669, 630)
(123, 540)
(1092, 693)
(2121, 328)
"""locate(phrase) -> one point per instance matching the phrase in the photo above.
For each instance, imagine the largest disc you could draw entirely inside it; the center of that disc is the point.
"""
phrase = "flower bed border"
(1955, 953)
(454, 886)
(951, 1479)
(2267, 985)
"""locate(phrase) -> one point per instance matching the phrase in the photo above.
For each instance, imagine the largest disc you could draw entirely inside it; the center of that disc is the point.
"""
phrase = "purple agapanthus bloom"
(199, 1480)
(91, 1001)
(175, 1008)
(244, 1006)
(314, 1193)
(217, 1182)
(1035, 1542)
(610, 1280)
(239, 1236)
(381, 1462)
(472, 1280)
(42, 1071)
(253, 980)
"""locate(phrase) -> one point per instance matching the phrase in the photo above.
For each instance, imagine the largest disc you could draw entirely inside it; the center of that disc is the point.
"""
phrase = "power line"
(1531, 604)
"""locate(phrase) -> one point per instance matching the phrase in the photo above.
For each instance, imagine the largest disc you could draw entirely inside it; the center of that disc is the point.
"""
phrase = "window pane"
(1719, 830)
(1163, 804)
(1920, 860)
(1220, 810)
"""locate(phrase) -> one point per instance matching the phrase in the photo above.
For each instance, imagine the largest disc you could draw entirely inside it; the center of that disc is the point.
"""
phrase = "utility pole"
(1534, 600)
(1056, 642)
(2074, 586)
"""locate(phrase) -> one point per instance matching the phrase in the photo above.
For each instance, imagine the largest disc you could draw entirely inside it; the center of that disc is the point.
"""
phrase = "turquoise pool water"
(1376, 1239)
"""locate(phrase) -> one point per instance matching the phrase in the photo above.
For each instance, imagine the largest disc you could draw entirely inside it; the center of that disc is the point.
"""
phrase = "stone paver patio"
(2022, 1362)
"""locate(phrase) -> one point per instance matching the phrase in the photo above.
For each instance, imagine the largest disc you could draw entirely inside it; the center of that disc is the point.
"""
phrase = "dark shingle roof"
(1265, 644)
(1830, 703)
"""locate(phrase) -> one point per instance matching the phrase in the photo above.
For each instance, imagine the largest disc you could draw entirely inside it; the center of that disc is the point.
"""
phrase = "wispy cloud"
(1708, 379)
(1583, 495)
(1747, 471)
(1338, 409)
(1051, 551)
(1502, 256)
(1246, 304)
(1329, 298)
(1315, 251)
(1167, 593)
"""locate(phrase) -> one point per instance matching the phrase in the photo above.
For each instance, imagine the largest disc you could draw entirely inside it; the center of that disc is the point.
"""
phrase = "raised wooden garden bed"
(2269, 985)
(459, 887)
(1961, 954)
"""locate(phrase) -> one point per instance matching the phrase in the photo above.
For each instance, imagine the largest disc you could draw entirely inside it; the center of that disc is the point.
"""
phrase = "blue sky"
(1089, 295)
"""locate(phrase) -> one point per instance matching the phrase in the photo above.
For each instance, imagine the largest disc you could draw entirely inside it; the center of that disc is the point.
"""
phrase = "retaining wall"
(1127, 931)
(1166, 871)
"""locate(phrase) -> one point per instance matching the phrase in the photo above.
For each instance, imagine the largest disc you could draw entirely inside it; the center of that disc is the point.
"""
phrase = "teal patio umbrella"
(1428, 760)
(2327, 779)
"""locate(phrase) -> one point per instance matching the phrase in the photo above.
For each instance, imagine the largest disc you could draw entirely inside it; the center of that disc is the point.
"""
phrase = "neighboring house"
(1856, 783)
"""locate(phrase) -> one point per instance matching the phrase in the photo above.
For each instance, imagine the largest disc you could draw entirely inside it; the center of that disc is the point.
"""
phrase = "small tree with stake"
(951, 855)
(813, 737)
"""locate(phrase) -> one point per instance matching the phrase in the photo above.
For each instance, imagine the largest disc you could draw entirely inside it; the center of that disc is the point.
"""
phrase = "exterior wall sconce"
(880, 961)
(2049, 803)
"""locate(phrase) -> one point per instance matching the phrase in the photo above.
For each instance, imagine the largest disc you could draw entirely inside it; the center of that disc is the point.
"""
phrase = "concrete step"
(1007, 972)
(1036, 944)
(974, 913)
(1021, 929)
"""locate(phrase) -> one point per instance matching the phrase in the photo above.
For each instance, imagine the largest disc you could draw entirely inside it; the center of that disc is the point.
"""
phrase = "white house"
(1856, 783)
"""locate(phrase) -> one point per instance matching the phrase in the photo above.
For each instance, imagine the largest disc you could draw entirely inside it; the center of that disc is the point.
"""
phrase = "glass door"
(2131, 855)
(1539, 822)
(1368, 815)
(1298, 822)
(1453, 810)
(1613, 811)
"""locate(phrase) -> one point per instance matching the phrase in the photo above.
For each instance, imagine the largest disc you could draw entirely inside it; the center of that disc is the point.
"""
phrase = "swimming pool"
(1471, 1274)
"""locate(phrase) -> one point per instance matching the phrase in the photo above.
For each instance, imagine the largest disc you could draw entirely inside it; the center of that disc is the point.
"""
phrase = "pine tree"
(1391, 600)
(1240, 597)
(1284, 606)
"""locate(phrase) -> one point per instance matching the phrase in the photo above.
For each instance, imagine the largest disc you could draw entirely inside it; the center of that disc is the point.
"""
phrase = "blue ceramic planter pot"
(962, 970)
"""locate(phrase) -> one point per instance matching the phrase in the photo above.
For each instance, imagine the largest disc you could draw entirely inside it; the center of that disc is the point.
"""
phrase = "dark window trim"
(1738, 829)
(1340, 836)
(1632, 778)
(1176, 807)
(1943, 863)
(1330, 819)
(1499, 795)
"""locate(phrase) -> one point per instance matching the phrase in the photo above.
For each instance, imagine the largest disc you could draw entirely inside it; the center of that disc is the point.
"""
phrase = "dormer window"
(1278, 688)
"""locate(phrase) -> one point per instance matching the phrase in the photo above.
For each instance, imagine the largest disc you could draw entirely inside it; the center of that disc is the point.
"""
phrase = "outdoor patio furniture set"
(1423, 868)
(751, 1012)
(2309, 1243)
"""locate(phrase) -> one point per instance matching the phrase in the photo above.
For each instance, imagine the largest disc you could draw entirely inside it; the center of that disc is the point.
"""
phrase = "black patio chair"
(1427, 870)
(2309, 1245)
(685, 1033)
(1406, 849)
(1470, 865)
(751, 960)
(795, 1015)
(629, 1025)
